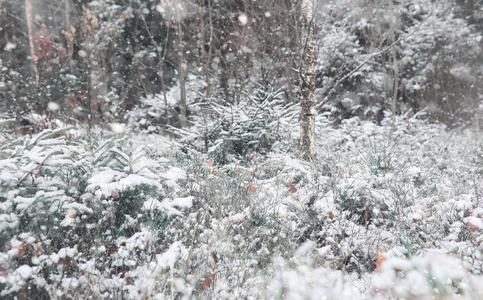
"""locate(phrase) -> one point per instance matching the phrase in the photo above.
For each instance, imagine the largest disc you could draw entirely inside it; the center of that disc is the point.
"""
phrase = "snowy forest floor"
(385, 212)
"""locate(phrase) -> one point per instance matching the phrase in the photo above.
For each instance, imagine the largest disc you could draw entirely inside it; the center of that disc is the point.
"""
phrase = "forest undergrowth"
(384, 212)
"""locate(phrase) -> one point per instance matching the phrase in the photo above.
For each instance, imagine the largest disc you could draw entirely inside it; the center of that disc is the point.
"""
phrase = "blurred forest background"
(150, 62)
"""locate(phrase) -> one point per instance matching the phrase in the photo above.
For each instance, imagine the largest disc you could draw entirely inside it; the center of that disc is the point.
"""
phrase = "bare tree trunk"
(29, 17)
(67, 10)
(182, 79)
(69, 33)
(207, 45)
(395, 66)
(308, 72)
(97, 74)
(97, 83)
(476, 119)
(161, 74)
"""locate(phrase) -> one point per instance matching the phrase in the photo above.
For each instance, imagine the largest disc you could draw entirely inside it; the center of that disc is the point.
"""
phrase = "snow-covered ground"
(385, 212)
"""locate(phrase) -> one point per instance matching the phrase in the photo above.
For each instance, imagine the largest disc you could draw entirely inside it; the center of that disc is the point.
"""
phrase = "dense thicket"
(98, 59)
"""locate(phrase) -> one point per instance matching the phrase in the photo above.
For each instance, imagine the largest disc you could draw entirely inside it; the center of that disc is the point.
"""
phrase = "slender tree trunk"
(224, 77)
(67, 10)
(97, 75)
(395, 66)
(163, 88)
(206, 46)
(308, 72)
(97, 82)
(33, 59)
(161, 73)
(69, 33)
(182, 79)
(477, 118)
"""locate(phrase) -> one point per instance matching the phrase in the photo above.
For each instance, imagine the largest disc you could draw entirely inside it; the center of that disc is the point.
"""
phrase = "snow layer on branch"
(104, 183)
(169, 206)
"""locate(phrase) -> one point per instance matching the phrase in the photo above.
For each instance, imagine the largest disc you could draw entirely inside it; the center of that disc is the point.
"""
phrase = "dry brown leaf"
(251, 187)
(111, 249)
(330, 214)
(21, 250)
(115, 195)
(206, 282)
(91, 19)
(292, 188)
(38, 249)
(380, 259)
(473, 223)
(3, 272)
(64, 261)
(211, 167)
(210, 163)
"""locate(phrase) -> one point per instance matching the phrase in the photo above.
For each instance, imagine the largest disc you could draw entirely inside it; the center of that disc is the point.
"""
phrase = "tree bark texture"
(307, 85)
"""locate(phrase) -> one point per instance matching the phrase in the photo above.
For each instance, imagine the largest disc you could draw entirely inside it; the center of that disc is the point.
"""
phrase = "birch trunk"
(308, 72)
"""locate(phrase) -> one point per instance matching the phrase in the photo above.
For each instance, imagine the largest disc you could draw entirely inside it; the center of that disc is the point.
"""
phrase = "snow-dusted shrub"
(361, 202)
(150, 114)
(440, 49)
(115, 220)
(428, 276)
(301, 280)
(227, 131)
(66, 200)
(153, 112)
(339, 53)
(436, 58)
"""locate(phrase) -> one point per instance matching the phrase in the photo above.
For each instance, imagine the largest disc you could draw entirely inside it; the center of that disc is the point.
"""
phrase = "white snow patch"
(103, 184)
(118, 127)
(82, 53)
(24, 271)
(10, 46)
(243, 19)
(176, 252)
(104, 177)
(53, 106)
(169, 206)
(413, 172)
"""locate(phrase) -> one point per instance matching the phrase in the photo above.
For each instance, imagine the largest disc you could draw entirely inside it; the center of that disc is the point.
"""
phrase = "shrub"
(232, 131)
